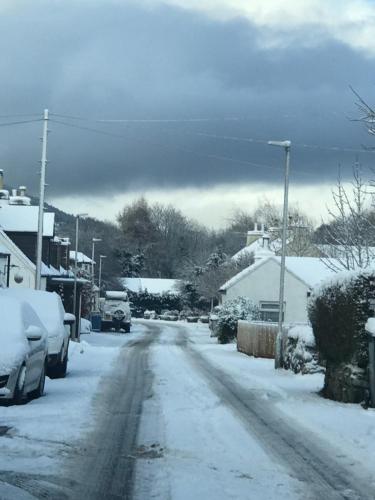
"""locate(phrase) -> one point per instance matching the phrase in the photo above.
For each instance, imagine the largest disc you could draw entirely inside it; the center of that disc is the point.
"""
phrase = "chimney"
(253, 235)
(1, 179)
(22, 191)
(14, 192)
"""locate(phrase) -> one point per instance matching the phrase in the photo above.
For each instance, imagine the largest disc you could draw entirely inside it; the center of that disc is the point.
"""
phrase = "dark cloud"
(112, 60)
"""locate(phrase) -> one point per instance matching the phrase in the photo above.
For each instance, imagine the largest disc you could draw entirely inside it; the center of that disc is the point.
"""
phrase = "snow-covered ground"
(42, 431)
(347, 427)
(191, 444)
(202, 450)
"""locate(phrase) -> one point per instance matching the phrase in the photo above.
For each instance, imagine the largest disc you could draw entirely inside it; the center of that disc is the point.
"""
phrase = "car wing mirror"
(33, 332)
(69, 319)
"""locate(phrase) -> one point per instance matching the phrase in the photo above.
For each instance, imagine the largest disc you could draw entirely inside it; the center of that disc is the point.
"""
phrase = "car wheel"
(59, 371)
(39, 391)
(19, 396)
(127, 328)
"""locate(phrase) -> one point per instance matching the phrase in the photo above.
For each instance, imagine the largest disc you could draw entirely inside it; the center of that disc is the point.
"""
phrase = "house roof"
(152, 285)
(81, 257)
(257, 248)
(310, 270)
(24, 219)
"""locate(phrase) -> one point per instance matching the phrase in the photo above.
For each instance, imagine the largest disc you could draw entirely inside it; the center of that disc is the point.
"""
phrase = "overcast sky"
(184, 81)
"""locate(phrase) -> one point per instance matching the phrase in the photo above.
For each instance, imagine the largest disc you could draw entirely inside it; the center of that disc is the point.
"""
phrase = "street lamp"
(94, 240)
(286, 145)
(100, 270)
(78, 216)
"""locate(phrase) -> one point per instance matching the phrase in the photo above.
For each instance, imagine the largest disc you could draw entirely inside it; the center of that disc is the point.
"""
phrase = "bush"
(299, 351)
(229, 314)
(338, 311)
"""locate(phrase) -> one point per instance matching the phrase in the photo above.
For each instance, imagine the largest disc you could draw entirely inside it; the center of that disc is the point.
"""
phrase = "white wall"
(27, 274)
(263, 285)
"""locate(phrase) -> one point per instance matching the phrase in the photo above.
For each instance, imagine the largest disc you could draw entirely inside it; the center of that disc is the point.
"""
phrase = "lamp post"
(100, 270)
(94, 240)
(76, 336)
(286, 145)
(93, 301)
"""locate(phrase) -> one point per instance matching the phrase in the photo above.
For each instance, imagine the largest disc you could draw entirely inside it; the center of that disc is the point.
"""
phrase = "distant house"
(84, 263)
(151, 285)
(260, 282)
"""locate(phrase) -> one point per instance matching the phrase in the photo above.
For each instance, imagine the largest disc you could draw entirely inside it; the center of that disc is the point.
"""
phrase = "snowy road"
(178, 418)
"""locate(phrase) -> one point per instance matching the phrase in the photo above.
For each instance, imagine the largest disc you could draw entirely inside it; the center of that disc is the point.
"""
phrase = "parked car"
(115, 311)
(49, 308)
(23, 351)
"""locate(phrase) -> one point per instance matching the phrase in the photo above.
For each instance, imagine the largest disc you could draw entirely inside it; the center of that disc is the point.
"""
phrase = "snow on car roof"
(47, 305)
(152, 285)
(21, 218)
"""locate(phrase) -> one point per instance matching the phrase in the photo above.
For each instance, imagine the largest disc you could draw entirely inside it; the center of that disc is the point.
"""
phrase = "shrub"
(229, 314)
(338, 311)
(299, 352)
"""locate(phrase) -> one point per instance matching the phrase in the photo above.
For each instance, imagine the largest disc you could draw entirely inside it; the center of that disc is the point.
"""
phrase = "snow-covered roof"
(258, 247)
(49, 270)
(81, 257)
(152, 285)
(310, 270)
(24, 219)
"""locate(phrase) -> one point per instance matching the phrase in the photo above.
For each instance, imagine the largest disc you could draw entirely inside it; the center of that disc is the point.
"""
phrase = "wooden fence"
(257, 338)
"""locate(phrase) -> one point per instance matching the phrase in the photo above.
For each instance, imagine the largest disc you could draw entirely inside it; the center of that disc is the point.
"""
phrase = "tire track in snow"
(306, 455)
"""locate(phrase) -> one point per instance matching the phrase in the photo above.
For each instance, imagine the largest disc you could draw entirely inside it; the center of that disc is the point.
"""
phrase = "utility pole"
(77, 326)
(101, 257)
(278, 354)
(39, 244)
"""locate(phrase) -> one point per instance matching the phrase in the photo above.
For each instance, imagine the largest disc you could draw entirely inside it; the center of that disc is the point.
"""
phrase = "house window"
(269, 311)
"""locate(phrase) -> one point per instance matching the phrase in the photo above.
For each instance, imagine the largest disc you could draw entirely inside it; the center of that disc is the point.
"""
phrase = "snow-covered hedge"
(299, 352)
(229, 314)
(338, 310)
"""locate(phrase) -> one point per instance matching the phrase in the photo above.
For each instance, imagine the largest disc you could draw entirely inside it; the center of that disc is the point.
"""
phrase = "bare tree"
(349, 235)
(300, 229)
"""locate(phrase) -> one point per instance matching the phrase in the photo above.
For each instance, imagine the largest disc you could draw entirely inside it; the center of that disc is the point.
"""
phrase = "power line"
(20, 115)
(183, 150)
(8, 124)
(214, 136)
(145, 120)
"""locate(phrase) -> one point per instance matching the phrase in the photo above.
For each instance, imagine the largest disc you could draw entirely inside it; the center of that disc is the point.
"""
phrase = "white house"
(83, 261)
(260, 282)
(21, 269)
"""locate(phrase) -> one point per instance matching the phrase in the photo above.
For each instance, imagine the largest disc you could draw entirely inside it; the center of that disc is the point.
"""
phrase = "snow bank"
(86, 326)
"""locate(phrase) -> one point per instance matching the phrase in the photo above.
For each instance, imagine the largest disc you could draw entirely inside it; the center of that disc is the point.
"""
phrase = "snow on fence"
(257, 338)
